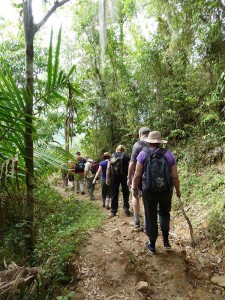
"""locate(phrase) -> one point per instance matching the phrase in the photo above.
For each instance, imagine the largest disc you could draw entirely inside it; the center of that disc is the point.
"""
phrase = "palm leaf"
(12, 88)
(49, 83)
(56, 66)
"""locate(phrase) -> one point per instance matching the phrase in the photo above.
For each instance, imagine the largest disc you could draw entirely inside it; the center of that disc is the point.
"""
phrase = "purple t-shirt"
(103, 164)
(168, 155)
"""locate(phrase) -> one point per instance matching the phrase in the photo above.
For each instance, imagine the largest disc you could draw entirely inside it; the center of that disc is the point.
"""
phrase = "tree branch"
(56, 5)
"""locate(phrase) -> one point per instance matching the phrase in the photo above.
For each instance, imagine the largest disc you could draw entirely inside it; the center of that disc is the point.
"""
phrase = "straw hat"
(154, 137)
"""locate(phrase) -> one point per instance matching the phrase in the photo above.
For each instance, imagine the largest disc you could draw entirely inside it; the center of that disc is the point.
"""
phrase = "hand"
(129, 182)
(178, 194)
(108, 181)
(135, 192)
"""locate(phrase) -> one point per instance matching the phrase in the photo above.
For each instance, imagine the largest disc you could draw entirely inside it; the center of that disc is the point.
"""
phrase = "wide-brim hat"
(154, 137)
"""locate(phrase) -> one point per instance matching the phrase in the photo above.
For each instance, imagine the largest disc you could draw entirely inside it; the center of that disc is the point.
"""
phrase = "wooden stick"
(193, 242)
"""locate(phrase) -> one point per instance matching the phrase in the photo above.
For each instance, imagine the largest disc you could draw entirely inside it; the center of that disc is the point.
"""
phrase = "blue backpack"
(157, 173)
(80, 165)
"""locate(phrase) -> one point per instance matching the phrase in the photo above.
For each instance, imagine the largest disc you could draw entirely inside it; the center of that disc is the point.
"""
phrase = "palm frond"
(49, 82)
(56, 65)
(11, 86)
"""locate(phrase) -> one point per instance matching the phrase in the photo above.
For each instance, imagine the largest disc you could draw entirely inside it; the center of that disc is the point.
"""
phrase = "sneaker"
(150, 248)
(167, 246)
(136, 224)
(107, 207)
(113, 214)
(103, 205)
(82, 193)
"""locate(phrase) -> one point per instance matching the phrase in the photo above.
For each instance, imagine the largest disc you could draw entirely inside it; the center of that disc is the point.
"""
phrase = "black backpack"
(157, 173)
(80, 165)
(116, 163)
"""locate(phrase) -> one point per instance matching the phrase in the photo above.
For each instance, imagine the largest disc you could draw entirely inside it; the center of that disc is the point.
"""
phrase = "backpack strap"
(147, 150)
(162, 151)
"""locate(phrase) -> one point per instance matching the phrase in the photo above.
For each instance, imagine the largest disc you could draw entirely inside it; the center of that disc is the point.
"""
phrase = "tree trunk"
(30, 29)
(28, 138)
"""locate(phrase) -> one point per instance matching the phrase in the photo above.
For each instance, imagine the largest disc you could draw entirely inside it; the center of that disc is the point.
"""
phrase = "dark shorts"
(71, 177)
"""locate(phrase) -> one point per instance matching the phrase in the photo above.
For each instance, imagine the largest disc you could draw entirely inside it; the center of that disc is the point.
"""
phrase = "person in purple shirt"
(156, 202)
(106, 189)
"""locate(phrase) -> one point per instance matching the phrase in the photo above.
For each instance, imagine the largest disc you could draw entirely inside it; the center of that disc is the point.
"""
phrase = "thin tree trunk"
(30, 29)
(28, 138)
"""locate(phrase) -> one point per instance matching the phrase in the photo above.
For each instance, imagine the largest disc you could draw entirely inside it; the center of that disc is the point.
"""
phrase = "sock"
(136, 217)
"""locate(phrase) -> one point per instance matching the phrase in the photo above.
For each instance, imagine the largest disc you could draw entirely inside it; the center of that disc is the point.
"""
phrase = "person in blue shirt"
(106, 189)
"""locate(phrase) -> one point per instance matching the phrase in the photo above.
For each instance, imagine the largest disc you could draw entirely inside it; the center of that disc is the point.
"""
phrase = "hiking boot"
(127, 212)
(82, 193)
(150, 247)
(107, 207)
(113, 214)
(103, 204)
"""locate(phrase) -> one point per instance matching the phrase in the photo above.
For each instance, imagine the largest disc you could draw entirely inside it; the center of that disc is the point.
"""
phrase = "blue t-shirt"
(104, 164)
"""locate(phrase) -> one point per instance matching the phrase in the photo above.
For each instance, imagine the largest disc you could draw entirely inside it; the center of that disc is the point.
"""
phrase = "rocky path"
(114, 264)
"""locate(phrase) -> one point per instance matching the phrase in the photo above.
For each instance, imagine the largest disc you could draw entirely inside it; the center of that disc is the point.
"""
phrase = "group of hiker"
(150, 172)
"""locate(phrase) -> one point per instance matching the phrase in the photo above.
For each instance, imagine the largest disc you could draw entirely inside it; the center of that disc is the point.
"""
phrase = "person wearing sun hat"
(156, 202)
(106, 189)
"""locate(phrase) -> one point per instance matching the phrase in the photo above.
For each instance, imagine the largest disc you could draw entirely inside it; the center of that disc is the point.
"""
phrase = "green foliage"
(62, 225)
(205, 187)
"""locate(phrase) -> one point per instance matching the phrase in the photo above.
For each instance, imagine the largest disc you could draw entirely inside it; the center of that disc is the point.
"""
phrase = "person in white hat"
(156, 201)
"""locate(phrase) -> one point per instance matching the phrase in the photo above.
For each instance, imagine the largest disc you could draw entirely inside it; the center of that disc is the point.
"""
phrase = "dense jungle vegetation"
(118, 66)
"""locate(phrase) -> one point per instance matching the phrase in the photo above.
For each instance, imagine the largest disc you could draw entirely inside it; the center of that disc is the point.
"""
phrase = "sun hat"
(154, 137)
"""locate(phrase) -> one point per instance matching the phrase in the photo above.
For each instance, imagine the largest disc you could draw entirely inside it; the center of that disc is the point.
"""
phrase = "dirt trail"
(114, 263)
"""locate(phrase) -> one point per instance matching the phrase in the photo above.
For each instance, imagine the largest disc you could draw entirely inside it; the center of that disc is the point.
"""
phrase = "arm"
(97, 174)
(108, 174)
(175, 180)
(137, 178)
(131, 170)
(86, 169)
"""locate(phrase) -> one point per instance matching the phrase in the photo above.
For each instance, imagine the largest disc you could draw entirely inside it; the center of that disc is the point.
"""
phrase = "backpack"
(94, 167)
(157, 173)
(116, 164)
(80, 165)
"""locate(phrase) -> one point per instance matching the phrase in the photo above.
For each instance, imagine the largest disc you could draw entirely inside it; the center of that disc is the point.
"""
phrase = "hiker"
(64, 174)
(79, 171)
(106, 189)
(157, 168)
(137, 147)
(116, 174)
(89, 177)
(70, 173)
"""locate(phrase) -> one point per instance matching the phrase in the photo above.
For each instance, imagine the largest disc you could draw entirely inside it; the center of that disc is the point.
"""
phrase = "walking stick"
(193, 242)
